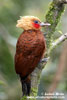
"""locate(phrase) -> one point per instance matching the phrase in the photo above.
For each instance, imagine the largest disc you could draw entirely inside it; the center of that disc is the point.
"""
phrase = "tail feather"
(26, 86)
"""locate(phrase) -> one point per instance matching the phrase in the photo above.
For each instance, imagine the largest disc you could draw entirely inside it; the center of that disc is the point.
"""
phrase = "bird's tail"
(26, 85)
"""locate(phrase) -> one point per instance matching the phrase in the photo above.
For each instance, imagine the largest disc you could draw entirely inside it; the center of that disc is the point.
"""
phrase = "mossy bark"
(53, 17)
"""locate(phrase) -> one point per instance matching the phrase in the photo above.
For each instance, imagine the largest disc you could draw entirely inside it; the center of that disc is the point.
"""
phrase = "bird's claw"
(44, 60)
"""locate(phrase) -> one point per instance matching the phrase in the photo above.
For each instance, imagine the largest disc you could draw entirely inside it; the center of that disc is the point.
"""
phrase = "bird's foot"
(44, 60)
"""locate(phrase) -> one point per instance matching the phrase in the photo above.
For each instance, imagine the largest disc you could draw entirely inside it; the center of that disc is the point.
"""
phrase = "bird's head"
(30, 22)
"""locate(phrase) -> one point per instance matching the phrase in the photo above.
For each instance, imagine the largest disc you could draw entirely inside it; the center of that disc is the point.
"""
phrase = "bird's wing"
(28, 55)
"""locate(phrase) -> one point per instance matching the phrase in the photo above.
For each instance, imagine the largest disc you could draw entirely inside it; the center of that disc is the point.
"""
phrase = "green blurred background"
(10, 10)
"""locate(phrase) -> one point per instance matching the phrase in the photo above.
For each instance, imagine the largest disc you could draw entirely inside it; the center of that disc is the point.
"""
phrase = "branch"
(57, 42)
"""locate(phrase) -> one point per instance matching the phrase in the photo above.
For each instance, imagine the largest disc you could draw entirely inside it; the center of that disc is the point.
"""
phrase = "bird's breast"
(30, 40)
(29, 50)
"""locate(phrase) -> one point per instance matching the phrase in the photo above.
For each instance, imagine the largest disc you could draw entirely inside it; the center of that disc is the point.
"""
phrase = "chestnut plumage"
(30, 49)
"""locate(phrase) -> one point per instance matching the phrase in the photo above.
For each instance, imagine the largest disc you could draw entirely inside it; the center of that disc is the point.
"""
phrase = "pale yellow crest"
(25, 22)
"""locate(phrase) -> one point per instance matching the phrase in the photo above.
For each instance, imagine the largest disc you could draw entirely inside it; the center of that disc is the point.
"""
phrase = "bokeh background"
(10, 10)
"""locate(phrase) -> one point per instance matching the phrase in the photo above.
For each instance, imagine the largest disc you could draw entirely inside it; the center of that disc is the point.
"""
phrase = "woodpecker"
(30, 49)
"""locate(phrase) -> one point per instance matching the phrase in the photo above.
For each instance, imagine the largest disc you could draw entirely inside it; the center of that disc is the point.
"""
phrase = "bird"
(30, 49)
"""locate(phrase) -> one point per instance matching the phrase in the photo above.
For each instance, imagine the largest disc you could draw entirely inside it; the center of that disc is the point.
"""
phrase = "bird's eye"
(36, 21)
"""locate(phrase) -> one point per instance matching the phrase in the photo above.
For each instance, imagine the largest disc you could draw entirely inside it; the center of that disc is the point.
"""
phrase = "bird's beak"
(42, 24)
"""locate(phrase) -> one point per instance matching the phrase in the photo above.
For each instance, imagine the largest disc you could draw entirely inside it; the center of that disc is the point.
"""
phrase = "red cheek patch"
(36, 25)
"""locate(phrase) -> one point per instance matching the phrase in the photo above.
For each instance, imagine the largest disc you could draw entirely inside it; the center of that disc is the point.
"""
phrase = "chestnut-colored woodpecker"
(30, 49)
